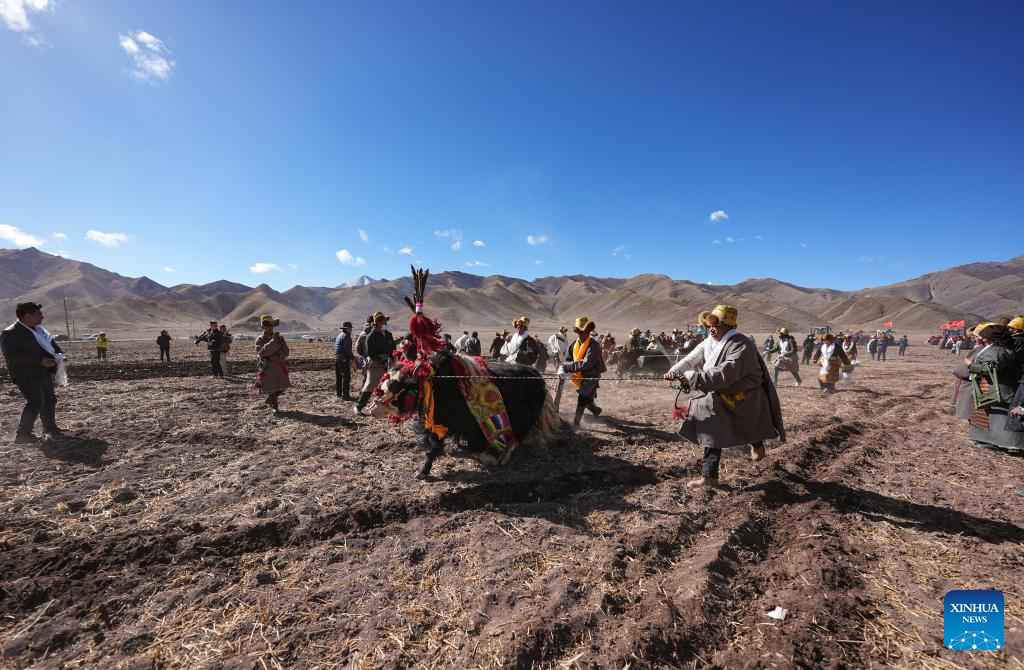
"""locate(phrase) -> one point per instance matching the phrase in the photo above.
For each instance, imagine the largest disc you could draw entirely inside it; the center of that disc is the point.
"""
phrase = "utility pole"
(67, 322)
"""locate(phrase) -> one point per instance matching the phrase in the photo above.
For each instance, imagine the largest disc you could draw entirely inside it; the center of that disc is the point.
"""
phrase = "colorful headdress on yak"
(426, 331)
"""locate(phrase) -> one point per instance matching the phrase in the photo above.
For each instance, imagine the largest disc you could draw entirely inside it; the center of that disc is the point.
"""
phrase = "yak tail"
(548, 422)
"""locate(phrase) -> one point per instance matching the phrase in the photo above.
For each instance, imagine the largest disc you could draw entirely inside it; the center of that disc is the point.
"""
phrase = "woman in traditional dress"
(788, 359)
(962, 397)
(271, 370)
(994, 379)
(831, 358)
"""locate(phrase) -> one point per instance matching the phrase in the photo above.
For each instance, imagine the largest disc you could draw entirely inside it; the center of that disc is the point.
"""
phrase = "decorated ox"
(489, 408)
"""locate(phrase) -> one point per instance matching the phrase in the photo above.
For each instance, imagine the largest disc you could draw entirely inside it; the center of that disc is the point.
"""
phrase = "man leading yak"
(739, 405)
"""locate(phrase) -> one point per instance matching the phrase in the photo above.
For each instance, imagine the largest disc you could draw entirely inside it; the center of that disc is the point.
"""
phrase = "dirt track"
(182, 526)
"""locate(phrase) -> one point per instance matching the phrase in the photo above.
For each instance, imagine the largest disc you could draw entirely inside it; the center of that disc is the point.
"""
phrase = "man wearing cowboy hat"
(344, 361)
(739, 405)
(271, 370)
(584, 363)
(380, 344)
(521, 347)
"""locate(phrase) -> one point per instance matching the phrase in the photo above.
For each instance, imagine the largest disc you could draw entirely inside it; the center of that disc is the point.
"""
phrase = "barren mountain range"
(99, 299)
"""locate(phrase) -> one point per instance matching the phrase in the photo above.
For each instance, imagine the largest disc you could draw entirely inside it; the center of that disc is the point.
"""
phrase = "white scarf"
(714, 347)
(45, 340)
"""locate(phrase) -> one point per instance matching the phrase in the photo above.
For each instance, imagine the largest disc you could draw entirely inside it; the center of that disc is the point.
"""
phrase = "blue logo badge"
(973, 619)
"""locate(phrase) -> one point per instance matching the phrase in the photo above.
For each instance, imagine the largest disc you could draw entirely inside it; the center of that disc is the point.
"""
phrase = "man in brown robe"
(739, 405)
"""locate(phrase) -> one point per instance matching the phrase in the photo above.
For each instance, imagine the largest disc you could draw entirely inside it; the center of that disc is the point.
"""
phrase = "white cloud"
(729, 240)
(109, 240)
(15, 15)
(261, 268)
(456, 245)
(538, 262)
(168, 269)
(718, 215)
(16, 236)
(716, 241)
(870, 259)
(405, 251)
(453, 233)
(62, 254)
(150, 57)
(534, 240)
(477, 264)
(345, 257)
(479, 243)
(293, 266)
(758, 237)
(622, 250)
(363, 235)
(56, 236)
(801, 245)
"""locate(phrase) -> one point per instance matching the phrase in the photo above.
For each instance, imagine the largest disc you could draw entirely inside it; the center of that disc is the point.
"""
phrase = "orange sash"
(578, 352)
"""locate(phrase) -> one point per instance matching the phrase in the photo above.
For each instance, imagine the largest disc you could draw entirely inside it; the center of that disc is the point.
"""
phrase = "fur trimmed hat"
(267, 320)
(584, 326)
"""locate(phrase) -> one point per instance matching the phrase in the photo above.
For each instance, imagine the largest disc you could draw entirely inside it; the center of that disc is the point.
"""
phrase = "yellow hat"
(726, 314)
(381, 315)
(267, 320)
(783, 331)
(523, 320)
(981, 326)
(584, 325)
(635, 331)
(1017, 322)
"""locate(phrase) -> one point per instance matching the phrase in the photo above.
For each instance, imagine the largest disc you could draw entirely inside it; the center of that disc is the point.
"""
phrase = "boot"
(578, 417)
(703, 483)
(592, 406)
(424, 470)
(26, 438)
(756, 452)
(361, 403)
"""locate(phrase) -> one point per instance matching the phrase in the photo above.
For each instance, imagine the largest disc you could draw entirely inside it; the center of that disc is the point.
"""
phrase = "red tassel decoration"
(680, 413)
(427, 333)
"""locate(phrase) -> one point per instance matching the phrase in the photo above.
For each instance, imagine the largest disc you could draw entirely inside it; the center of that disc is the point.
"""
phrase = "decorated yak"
(488, 407)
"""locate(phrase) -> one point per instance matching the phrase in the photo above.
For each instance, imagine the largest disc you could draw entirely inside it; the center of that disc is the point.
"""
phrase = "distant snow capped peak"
(361, 280)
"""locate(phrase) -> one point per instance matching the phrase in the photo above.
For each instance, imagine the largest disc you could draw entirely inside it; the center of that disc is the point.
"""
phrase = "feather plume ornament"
(426, 331)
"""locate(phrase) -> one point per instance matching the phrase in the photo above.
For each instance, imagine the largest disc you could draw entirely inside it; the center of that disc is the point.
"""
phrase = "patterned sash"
(485, 402)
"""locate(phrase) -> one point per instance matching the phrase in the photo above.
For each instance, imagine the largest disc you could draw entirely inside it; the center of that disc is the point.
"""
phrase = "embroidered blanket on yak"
(485, 402)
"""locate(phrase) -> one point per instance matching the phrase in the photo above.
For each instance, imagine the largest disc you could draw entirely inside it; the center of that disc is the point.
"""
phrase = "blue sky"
(844, 144)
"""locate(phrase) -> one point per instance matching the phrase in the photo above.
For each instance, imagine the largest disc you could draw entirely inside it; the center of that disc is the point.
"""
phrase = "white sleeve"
(692, 360)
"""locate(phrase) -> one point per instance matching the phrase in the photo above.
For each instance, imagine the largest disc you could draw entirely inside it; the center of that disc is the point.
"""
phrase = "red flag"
(957, 324)
(887, 324)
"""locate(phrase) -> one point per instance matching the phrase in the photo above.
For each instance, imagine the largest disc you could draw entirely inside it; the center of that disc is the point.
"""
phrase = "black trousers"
(40, 402)
(215, 364)
(806, 358)
(165, 352)
(343, 378)
(881, 354)
(712, 459)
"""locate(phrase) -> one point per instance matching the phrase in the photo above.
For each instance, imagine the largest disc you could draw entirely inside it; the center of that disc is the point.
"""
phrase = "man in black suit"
(31, 361)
